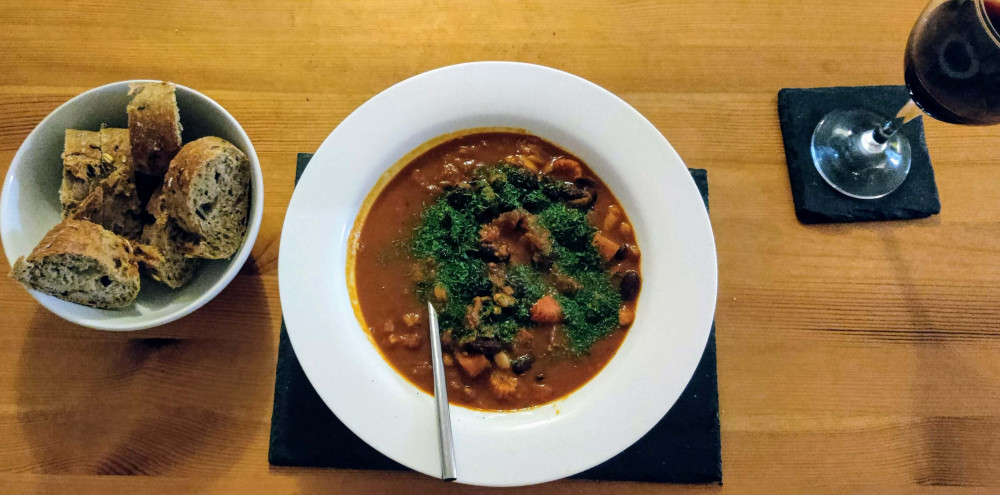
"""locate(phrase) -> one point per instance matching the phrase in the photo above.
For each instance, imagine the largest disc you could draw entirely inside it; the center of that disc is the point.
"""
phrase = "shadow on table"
(324, 480)
(883, 228)
(181, 398)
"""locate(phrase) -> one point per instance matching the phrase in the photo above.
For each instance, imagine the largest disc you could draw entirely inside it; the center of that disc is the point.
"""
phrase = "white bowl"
(638, 386)
(29, 204)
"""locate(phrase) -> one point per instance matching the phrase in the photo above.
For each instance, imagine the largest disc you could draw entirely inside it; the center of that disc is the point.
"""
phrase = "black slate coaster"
(799, 110)
(684, 447)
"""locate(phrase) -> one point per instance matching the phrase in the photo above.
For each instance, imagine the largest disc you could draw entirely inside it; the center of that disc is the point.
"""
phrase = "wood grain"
(852, 358)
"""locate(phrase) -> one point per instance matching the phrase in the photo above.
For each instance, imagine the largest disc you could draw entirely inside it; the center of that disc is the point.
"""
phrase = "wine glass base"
(852, 162)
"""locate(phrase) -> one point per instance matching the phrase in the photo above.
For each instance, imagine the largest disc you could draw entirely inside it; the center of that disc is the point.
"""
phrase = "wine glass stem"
(909, 112)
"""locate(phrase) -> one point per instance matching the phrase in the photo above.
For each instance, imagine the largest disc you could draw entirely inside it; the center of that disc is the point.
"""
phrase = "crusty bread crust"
(155, 206)
(116, 148)
(190, 166)
(81, 151)
(82, 168)
(159, 251)
(86, 239)
(159, 256)
(188, 163)
(154, 126)
(114, 205)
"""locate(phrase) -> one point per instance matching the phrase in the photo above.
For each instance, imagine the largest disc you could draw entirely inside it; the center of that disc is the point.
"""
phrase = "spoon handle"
(448, 470)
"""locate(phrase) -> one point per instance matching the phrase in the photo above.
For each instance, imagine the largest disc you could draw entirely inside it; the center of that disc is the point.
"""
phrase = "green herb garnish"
(448, 237)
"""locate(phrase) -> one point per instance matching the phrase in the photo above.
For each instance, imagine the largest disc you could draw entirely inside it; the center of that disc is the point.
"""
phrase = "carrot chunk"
(605, 247)
(546, 310)
(472, 364)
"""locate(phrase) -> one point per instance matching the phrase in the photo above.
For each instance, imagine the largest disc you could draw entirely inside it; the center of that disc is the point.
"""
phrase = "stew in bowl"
(528, 257)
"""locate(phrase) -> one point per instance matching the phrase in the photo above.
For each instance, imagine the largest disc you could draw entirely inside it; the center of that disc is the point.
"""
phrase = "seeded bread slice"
(114, 205)
(154, 125)
(116, 148)
(159, 250)
(207, 190)
(83, 168)
(81, 262)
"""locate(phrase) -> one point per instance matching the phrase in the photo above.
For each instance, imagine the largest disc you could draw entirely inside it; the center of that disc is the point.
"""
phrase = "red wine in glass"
(952, 70)
(953, 62)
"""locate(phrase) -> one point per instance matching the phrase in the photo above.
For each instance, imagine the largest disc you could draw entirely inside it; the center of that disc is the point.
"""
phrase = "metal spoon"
(448, 470)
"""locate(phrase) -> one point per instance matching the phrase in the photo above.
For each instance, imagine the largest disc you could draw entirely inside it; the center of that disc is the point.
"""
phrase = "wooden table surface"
(851, 357)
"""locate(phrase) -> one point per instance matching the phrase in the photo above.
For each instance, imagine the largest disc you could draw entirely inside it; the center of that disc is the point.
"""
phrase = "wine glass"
(952, 70)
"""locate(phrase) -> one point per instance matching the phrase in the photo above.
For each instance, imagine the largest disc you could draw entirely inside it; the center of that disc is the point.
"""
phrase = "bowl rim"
(312, 340)
(235, 263)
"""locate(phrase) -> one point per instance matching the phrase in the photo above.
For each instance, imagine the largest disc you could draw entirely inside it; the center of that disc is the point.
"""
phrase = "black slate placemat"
(684, 447)
(799, 110)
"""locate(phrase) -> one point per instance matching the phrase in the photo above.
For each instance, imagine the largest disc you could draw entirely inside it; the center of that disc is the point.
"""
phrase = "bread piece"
(115, 148)
(155, 205)
(159, 250)
(207, 190)
(114, 205)
(82, 154)
(81, 262)
(160, 257)
(154, 125)
(83, 168)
